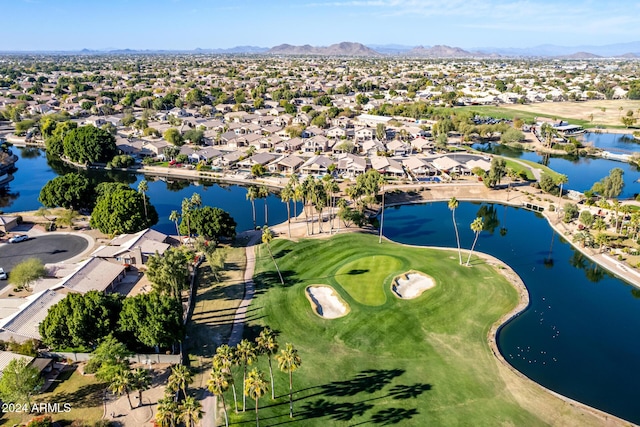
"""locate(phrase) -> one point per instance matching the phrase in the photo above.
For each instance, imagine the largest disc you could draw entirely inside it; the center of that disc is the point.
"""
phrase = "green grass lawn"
(418, 362)
(82, 392)
(518, 167)
(363, 278)
(510, 113)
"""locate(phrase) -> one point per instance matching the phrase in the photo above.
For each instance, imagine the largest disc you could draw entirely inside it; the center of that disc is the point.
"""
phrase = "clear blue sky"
(187, 24)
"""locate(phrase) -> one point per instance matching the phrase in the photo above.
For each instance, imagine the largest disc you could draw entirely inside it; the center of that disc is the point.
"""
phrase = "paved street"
(48, 248)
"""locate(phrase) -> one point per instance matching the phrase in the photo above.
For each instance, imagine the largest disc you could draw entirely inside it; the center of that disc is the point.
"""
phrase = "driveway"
(48, 248)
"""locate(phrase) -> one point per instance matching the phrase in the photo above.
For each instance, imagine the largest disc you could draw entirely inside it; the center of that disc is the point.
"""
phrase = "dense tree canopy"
(154, 319)
(70, 191)
(169, 272)
(54, 138)
(88, 144)
(211, 223)
(81, 320)
(610, 186)
(121, 209)
(19, 382)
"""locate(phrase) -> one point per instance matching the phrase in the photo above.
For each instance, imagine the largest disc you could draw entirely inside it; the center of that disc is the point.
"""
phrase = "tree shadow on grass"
(269, 279)
(367, 381)
(389, 416)
(400, 392)
(336, 411)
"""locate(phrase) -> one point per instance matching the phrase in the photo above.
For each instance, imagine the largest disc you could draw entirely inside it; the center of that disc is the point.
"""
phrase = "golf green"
(365, 277)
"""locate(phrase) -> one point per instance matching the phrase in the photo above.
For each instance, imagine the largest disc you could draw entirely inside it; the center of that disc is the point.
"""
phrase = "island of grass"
(411, 284)
(424, 361)
(325, 302)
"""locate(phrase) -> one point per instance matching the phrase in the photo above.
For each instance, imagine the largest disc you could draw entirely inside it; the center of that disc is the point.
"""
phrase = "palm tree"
(330, 187)
(293, 184)
(122, 383)
(476, 227)
(175, 217)
(224, 359)
(286, 195)
(246, 355)
(252, 195)
(186, 215)
(196, 200)
(267, 344)
(267, 237)
(289, 361)
(616, 208)
(217, 384)
(190, 411)
(167, 412)
(342, 204)
(180, 377)
(263, 193)
(453, 205)
(561, 179)
(381, 183)
(143, 187)
(141, 382)
(255, 387)
(601, 239)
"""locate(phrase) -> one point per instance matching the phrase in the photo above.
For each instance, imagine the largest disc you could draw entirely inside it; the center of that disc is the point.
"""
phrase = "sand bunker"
(326, 302)
(411, 284)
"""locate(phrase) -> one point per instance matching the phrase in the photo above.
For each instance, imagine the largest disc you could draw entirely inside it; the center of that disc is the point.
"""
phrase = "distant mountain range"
(338, 49)
(619, 50)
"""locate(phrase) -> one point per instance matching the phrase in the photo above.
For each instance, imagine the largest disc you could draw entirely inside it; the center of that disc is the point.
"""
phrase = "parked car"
(18, 238)
(3, 274)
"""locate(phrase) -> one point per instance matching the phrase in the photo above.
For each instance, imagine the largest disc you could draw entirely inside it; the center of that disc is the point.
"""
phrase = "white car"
(19, 238)
(3, 275)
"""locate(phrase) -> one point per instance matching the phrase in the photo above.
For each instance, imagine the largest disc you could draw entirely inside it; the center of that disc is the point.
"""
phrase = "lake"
(582, 171)
(579, 335)
(34, 171)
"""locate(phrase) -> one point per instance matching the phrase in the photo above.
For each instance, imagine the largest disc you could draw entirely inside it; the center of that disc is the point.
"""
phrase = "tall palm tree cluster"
(320, 201)
(254, 384)
(177, 406)
(476, 226)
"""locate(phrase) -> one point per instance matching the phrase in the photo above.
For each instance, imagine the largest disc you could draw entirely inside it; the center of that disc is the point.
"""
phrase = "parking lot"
(48, 248)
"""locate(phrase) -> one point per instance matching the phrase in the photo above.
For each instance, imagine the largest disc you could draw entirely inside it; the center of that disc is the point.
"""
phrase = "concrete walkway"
(209, 402)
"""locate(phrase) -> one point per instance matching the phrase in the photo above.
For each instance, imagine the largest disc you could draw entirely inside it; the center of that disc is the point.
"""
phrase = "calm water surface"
(583, 171)
(34, 171)
(579, 335)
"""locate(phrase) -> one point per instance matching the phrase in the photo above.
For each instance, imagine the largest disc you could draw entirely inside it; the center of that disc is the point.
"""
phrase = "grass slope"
(416, 362)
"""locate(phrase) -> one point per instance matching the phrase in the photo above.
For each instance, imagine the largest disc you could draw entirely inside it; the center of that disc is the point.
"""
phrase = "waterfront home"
(206, 154)
(387, 166)
(448, 165)
(257, 159)
(134, 248)
(350, 166)
(286, 165)
(316, 165)
(419, 167)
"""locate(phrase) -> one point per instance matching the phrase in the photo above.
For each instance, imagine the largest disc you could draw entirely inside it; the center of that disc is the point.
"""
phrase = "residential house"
(337, 132)
(419, 167)
(23, 324)
(316, 165)
(350, 166)
(95, 274)
(134, 249)
(364, 134)
(387, 166)
(316, 144)
(399, 148)
(286, 165)
(257, 159)
(206, 155)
